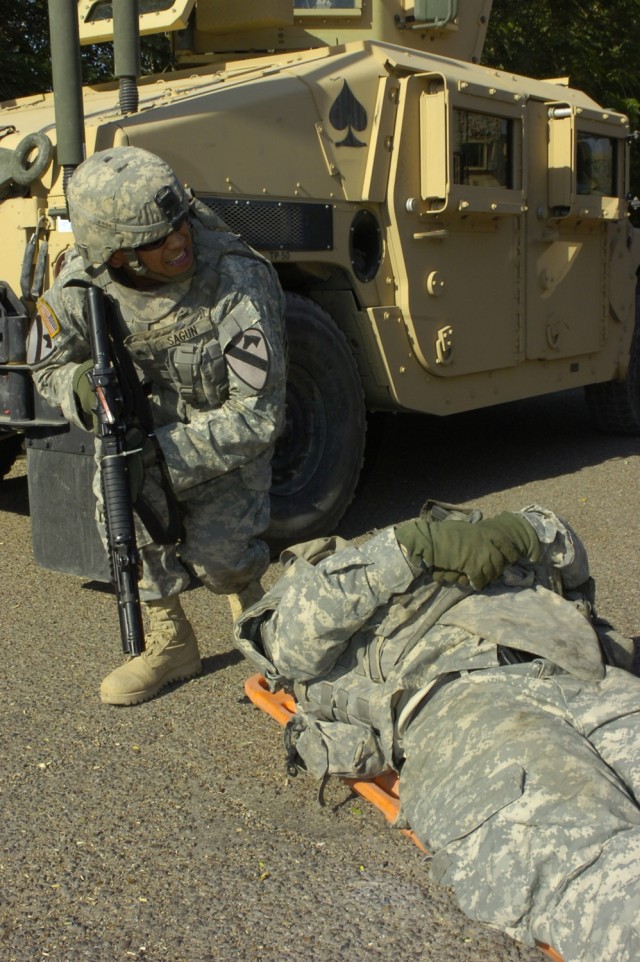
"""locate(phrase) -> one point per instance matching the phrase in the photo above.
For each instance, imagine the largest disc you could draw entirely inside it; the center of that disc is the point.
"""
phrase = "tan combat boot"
(244, 599)
(171, 654)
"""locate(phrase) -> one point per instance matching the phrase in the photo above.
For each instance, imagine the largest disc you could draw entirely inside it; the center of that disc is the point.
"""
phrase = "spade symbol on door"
(348, 113)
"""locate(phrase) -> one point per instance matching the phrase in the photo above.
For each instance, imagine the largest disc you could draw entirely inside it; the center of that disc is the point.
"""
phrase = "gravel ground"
(170, 832)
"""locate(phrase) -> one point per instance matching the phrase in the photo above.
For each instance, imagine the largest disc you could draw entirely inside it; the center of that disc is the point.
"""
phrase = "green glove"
(84, 396)
(142, 455)
(458, 552)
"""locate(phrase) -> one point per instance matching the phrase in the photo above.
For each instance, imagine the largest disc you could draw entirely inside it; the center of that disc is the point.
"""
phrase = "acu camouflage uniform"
(216, 414)
(517, 747)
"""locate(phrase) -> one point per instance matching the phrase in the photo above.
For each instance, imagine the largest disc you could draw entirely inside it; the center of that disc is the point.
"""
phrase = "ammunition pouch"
(332, 748)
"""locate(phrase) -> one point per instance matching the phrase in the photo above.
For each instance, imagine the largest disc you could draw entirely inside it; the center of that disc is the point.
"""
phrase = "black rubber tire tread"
(319, 456)
(10, 447)
(615, 405)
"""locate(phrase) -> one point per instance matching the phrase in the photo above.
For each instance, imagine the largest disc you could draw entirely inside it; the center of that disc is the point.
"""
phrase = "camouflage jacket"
(361, 637)
(210, 350)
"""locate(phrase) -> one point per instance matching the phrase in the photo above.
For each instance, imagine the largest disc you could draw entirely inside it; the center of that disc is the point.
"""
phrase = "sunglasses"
(157, 244)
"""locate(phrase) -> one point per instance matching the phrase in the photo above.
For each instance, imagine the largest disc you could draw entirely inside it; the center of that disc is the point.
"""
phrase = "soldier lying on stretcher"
(466, 654)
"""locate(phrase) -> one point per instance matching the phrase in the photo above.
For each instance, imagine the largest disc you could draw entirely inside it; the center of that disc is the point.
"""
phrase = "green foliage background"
(595, 43)
(24, 52)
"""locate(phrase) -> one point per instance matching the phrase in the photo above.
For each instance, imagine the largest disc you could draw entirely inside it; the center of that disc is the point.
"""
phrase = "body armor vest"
(173, 334)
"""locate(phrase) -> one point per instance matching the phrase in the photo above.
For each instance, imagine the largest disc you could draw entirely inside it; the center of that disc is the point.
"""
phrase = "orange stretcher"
(381, 791)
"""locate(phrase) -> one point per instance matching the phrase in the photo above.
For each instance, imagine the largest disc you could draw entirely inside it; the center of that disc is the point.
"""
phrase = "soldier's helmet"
(122, 198)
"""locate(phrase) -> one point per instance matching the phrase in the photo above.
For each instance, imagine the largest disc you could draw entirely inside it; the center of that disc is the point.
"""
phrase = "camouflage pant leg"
(534, 831)
(611, 883)
(222, 521)
(163, 573)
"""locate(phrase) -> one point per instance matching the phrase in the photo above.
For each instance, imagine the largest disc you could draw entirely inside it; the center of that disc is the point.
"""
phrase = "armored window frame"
(103, 9)
(443, 105)
(571, 188)
(95, 18)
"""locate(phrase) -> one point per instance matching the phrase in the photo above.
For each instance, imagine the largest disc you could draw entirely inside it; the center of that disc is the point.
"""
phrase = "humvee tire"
(319, 455)
(615, 405)
(10, 446)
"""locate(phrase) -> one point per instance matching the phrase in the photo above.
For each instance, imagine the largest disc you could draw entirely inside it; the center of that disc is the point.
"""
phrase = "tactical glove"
(84, 397)
(141, 454)
(463, 553)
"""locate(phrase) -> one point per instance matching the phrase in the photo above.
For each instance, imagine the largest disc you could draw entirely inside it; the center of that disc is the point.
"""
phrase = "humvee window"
(103, 9)
(482, 150)
(595, 165)
(327, 4)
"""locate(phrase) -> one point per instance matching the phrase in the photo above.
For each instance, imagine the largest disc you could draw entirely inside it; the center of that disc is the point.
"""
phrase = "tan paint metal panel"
(241, 140)
(376, 174)
(567, 292)
(458, 276)
(226, 16)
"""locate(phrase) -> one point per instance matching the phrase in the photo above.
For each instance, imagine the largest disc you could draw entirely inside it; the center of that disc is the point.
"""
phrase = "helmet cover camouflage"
(112, 204)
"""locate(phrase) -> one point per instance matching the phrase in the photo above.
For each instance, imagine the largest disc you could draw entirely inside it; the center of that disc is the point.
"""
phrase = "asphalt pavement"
(170, 832)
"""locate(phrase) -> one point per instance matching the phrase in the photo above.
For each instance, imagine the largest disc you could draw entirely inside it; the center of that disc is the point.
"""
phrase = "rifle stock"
(111, 430)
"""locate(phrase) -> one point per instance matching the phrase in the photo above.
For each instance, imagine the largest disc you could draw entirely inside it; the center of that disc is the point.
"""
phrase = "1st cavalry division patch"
(248, 357)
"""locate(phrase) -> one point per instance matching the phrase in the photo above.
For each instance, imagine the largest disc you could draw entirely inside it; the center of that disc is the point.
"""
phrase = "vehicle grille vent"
(276, 225)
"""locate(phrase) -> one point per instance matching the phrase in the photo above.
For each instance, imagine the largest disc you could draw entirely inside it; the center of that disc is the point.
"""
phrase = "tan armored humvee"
(450, 236)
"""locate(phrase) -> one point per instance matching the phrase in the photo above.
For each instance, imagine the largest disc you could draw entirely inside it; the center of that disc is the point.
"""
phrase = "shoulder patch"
(49, 319)
(44, 328)
(248, 357)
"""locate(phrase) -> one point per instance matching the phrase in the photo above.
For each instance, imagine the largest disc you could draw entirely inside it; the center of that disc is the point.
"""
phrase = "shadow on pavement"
(466, 456)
